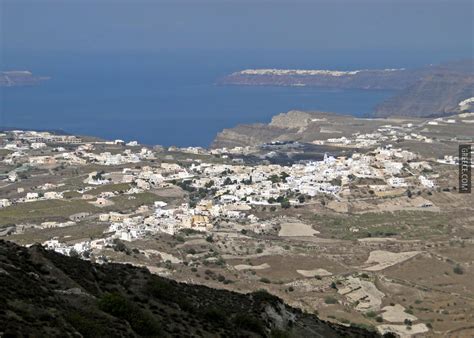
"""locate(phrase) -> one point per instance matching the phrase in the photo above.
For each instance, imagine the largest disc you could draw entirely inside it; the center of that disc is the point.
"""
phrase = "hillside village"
(222, 215)
(230, 191)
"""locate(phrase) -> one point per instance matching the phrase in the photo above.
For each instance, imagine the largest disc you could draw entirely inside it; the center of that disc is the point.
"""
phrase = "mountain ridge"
(433, 90)
(73, 297)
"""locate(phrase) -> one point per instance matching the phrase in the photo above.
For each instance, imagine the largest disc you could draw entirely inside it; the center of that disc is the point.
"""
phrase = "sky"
(137, 25)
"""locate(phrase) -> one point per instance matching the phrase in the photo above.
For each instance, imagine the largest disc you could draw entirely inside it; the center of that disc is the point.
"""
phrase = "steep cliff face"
(358, 79)
(44, 294)
(280, 128)
(434, 95)
(295, 126)
(433, 90)
(292, 119)
(246, 135)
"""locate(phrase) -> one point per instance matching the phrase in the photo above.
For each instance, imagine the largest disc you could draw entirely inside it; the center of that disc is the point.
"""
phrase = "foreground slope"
(46, 294)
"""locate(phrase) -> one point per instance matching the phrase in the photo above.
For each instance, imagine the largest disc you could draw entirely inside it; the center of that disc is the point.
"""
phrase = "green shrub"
(115, 304)
(246, 322)
(458, 270)
(363, 326)
(330, 300)
(88, 327)
(120, 307)
(215, 315)
(263, 295)
(179, 238)
(371, 314)
(159, 288)
(184, 303)
(279, 334)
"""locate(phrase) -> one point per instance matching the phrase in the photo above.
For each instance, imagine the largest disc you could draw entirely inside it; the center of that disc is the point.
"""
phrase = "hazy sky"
(135, 25)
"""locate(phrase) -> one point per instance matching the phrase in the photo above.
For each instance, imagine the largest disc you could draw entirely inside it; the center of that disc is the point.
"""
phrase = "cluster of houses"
(80, 156)
(172, 219)
(36, 138)
(237, 189)
(386, 133)
(224, 191)
(81, 248)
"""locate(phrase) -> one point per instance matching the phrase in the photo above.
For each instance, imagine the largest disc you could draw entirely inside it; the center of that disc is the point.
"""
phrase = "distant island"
(355, 79)
(20, 78)
(434, 90)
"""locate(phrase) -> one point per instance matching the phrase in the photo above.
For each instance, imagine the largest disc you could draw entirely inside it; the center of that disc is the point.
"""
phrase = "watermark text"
(465, 168)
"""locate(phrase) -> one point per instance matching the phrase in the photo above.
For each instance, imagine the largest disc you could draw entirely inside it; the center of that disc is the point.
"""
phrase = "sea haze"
(167, 98)
(146, 70)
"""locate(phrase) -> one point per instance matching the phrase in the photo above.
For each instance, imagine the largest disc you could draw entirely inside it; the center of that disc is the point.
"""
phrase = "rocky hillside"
(295, 126)
(44, 294)
(439, 92)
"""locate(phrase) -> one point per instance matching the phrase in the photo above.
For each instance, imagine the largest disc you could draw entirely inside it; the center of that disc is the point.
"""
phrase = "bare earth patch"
(402, 330)
(296, 230)
(164, 256)
(403, 204)
(102, 204)
(314, 273)
(385, 259)
(338, 206)
(252, 267)
(396, 314)
(158, 271)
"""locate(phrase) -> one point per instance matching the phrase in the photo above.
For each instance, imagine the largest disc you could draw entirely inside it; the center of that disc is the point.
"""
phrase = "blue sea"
(171, 97)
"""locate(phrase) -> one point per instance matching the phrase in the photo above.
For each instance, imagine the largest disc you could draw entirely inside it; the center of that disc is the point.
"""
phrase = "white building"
(396, 182)
(32, 196)
(426, 182)
(38, 145)
(52, 195)
(4, 203)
